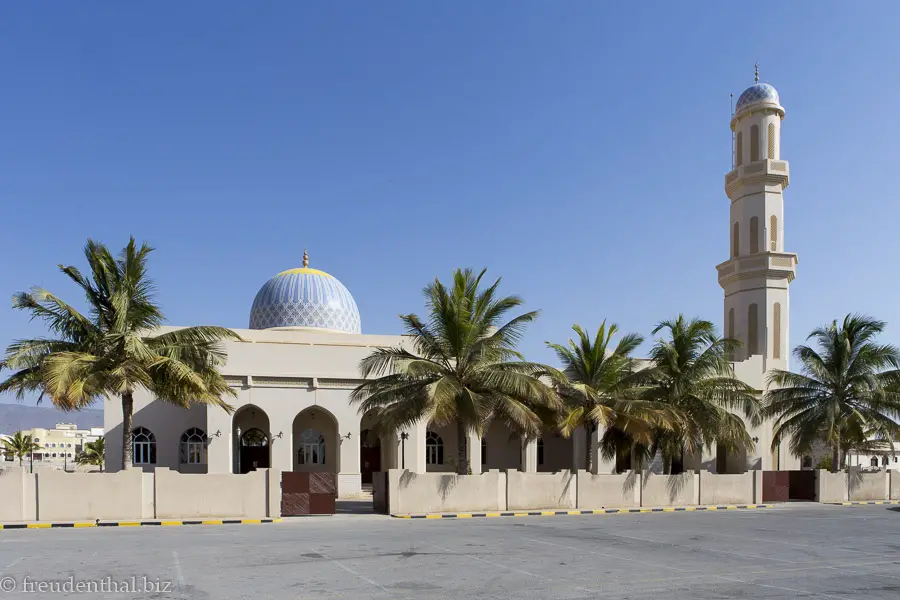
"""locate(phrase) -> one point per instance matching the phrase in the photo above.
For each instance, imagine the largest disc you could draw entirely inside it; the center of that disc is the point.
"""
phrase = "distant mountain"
(15, 417)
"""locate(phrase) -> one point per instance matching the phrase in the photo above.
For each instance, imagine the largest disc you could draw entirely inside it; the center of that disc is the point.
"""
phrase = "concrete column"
(529, 456)
(220, 448)
(474, 451)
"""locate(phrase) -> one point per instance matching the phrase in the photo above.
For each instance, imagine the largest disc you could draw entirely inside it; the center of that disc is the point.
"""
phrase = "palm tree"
(113, 350)
(19, 445)
(601, 386)
(462, 368)
(848, 388)
(692, 375)
(92, 454)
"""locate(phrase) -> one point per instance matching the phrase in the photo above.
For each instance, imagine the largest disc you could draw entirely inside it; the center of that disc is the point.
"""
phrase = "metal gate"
(308, 493)
(776, 486)
(802, 485)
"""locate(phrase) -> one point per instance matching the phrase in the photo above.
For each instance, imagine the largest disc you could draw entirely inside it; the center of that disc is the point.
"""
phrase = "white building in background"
(59, 446)
(298, 361)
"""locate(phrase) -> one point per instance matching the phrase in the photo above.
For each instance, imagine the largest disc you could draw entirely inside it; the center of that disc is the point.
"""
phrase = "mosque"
(298, 361)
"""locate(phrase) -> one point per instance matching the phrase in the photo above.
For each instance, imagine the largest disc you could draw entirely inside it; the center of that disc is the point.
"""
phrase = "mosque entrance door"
(254, 452)
(369, 455)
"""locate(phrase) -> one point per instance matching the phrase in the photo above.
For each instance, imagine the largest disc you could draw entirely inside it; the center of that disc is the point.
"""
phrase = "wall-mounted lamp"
(346, 437)
(276, 435)
(218, 433)
(755, 440)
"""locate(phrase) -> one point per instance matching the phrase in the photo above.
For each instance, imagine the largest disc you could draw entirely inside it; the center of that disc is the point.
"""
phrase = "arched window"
(483, 451)
(771, 141)
(311, 449)
(739, 150)
(776, 326)
(754, 143)
(254, 437)
(873, 462)
(754, 235)
(807, 462)
(434, 449)
(773, 233)
(143, 444)
(193, 446)
(735, 240)
(752, 331)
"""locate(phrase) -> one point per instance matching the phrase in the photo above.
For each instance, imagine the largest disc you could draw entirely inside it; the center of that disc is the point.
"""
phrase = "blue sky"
(577, 149)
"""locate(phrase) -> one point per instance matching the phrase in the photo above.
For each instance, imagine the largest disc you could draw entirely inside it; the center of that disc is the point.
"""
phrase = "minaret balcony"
(770, 265)
(766, 172)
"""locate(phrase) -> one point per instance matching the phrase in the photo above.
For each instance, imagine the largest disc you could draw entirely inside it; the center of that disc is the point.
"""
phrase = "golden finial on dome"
(756, 73)
(305, 259)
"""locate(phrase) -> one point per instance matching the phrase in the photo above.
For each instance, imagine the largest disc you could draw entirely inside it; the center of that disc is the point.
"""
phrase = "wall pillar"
(220, 448)
(600, 465)
(349, 475)
(414, 448)
(578, 450)
(474, 451)
(281, 448)
(529, 456)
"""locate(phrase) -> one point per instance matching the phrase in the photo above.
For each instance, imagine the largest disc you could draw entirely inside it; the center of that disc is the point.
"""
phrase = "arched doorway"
(253, 446)
(315, 442)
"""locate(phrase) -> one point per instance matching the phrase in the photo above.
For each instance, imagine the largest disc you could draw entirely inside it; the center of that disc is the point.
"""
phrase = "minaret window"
(735, 240)
(754, 143)
(739, 149)
(754, 235)
(771, 141)
(773, 233)
(731, 331)
(776, 326)
(752, 329)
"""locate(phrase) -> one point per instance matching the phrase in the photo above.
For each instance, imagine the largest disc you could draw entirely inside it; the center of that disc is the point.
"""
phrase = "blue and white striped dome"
(305, 298)
(759, 93)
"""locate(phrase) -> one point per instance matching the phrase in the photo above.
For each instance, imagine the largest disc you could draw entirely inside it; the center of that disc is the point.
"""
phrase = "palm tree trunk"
(588, 446)
(127, 410)
(836, 457)
(462, 463)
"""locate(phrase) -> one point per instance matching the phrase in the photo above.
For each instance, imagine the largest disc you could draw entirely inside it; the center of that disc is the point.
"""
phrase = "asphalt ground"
(792, 551)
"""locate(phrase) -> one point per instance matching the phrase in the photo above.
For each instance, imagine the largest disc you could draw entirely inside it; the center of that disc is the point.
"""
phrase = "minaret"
(758, 273)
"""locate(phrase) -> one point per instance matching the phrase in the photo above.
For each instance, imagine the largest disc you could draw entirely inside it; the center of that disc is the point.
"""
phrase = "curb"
(863, 503)
(559, 513)
(173, 523)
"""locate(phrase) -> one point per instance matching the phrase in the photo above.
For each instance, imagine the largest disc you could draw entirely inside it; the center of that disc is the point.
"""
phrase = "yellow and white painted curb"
(154, 523)
(869, 502)
(560, 513)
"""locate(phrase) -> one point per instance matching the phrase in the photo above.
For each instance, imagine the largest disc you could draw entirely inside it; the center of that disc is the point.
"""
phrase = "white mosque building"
(297, 363)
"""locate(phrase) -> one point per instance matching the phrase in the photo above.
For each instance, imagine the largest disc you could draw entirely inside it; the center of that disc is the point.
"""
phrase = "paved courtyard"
(794, 551)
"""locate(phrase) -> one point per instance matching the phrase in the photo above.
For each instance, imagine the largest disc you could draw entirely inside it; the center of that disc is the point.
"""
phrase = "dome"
(305, 297)
(755, 94)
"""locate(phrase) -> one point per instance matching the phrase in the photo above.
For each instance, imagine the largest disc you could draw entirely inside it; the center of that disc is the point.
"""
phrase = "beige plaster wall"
(831, 487)
(895, 485)
(445, 492)
(541, 490)
(726, 489)
(87, 496)
(222, 495)
(868, 486)
(669, 490)
(609, 491)
(16, 494)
